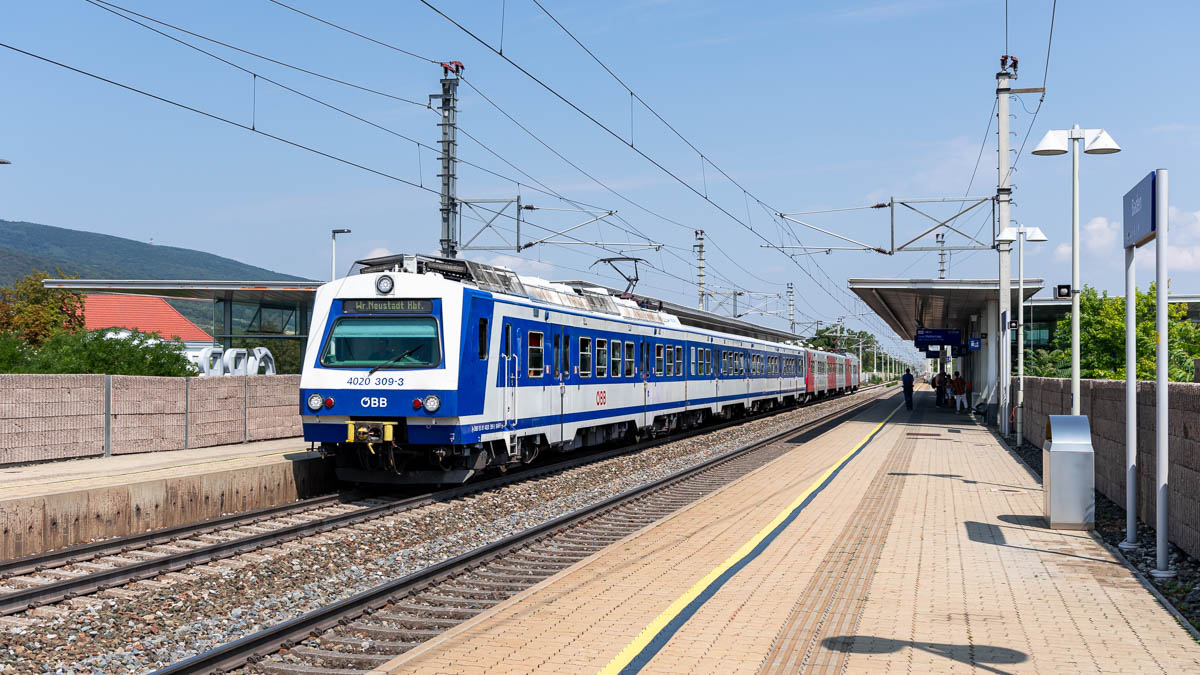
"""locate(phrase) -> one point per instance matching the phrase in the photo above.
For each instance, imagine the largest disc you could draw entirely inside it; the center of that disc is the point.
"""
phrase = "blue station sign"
(974, 344)
(1140, 211)
(938, 336)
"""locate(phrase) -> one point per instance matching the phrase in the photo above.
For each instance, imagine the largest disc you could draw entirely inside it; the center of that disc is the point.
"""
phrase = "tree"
(99, 351)
(1102, 338)
(35, 313)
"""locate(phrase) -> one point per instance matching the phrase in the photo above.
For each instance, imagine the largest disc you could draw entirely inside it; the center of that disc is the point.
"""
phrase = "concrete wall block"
(134, 395)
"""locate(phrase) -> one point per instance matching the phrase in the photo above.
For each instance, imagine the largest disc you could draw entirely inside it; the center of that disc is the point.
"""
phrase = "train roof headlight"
(432, 403)
(384, 284)
(315, 401)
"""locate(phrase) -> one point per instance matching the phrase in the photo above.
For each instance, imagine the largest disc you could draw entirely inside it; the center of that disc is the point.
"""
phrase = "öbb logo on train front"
(374, 402)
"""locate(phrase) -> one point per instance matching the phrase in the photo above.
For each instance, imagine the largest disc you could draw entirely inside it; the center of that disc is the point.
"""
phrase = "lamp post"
(1021, 234)
(1096, 142)
(333, 252)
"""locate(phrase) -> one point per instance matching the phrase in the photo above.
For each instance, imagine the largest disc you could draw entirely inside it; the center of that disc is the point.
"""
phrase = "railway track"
(364, 631)
(63, 575)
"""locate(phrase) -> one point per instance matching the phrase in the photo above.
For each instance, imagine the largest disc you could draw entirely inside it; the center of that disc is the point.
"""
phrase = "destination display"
(928, 336)
(404, 306)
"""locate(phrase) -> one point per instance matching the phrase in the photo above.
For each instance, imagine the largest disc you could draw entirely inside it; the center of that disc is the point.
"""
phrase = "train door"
(645, 369)
(510, 361)
(562, 376)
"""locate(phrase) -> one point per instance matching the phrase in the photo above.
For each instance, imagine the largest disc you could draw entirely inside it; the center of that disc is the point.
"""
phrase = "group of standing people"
(947, 389)
(951, 391)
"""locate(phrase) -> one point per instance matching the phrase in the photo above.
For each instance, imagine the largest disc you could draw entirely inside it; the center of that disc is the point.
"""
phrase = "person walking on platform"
(939, 388)
(960, 392)
(906, 381)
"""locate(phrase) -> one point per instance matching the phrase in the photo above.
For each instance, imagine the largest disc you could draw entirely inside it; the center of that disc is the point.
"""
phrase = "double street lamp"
(1096, 142)
(1021, 234)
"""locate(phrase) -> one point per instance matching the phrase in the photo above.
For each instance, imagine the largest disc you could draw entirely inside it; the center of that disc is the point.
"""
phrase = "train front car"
(384, 386)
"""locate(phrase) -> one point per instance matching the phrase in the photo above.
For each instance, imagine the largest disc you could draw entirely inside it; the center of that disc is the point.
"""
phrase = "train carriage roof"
(576, 294)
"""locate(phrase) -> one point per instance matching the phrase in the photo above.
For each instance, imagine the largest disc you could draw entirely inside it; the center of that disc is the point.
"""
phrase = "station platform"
(896, 542)
(56, 504)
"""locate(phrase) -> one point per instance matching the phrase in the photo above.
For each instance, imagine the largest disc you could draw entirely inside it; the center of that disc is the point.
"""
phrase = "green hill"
(28, 246)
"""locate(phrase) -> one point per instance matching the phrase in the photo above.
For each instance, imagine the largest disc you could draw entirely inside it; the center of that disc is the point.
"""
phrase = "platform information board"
(938, 336)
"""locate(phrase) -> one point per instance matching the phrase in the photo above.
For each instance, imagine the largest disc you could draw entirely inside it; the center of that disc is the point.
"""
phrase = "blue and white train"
(431, 370)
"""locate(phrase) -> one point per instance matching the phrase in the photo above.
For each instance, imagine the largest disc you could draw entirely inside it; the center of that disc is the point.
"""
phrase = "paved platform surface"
(923, 552)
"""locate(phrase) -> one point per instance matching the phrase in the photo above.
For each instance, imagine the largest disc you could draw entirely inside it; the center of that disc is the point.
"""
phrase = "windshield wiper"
(393, 360)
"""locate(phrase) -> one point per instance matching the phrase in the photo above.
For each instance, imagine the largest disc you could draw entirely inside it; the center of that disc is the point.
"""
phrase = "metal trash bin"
(1068, 473)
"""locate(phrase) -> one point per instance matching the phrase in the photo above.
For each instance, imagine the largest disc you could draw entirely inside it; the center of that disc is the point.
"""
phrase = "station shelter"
(969, 306)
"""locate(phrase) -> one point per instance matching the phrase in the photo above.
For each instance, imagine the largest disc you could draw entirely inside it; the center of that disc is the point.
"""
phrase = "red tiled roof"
(139, 312)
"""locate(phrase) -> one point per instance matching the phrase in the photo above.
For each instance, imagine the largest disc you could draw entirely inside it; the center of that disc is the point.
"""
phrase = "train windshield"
(389, 342)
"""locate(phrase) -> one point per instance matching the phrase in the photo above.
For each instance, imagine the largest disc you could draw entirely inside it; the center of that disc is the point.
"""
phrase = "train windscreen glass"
(389, 342)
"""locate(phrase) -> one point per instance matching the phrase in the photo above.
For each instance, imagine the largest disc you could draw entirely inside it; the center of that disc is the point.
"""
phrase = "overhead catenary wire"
(614, 134)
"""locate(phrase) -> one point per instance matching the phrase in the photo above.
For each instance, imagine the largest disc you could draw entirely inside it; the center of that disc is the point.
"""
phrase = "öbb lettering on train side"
(601, 397)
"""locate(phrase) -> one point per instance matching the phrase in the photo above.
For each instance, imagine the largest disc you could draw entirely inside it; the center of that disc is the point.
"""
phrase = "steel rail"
(252, 647)
(65, 589)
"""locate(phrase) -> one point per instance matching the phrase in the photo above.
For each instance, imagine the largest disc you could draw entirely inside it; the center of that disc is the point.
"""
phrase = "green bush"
(96, 352)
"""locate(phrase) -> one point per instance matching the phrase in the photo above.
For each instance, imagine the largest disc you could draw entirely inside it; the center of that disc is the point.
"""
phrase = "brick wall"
(1103, 401)
(48, 417)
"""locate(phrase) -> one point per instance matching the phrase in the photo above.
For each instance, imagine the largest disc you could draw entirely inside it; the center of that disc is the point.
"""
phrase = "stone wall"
(45, 417)
(49, 417)
(273, 401)
(1103, 401)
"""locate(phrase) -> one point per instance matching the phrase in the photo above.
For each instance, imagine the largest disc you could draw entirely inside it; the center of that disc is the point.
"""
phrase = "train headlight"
(384, 285)
(315, 402)
(432, 403)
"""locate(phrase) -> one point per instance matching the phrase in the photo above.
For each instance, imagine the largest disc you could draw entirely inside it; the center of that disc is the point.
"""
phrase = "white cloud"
(378, 252)
(1062, 252)
(1101, 235)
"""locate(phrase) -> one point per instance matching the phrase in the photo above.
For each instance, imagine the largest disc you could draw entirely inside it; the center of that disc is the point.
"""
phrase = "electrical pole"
(791, 293)
(1003, 197)
(698, 247)
(449, 157)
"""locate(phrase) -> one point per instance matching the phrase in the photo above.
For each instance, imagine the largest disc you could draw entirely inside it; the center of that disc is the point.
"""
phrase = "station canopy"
(908, 304)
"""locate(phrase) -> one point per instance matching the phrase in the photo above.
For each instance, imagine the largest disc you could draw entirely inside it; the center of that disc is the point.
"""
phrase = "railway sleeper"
(375, 630)
(521, 579)
(532, 570)
(557, 558)
(494, 585)
(474, 592)
(387, 648)
(286, 668)
(413, 620)
(329, 657)
(443, 612)
(456, 601)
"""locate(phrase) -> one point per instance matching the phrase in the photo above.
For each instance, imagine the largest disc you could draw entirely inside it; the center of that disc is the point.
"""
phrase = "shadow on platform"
(989, 533)
(977, 656)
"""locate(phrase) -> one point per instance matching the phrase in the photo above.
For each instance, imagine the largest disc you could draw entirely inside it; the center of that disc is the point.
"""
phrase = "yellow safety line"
(138, 473)
(643, 639)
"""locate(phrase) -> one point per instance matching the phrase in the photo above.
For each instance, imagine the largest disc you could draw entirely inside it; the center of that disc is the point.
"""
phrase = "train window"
(585, 357)
(678, 360)
(566, 356)
(708, 357)
(645, 358)
(483, 339)
(507, 339)
(616, 358)
(692, 361)
(536, 355)
(384, 342)
(601, 357)
(555, 353)
(670, 361)
(658, 359)
(629, 359)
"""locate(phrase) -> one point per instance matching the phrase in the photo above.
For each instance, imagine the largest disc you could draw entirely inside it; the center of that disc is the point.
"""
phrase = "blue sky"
(807, 105)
